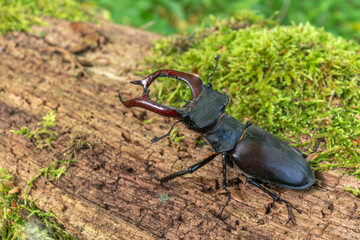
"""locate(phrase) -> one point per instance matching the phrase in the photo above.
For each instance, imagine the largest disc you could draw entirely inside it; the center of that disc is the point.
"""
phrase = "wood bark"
(108, 194)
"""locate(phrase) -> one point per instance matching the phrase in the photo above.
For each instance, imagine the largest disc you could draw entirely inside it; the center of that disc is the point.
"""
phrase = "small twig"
(71, 58)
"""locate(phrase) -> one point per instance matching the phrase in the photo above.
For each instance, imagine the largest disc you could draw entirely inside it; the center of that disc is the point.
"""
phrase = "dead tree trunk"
(108, 194)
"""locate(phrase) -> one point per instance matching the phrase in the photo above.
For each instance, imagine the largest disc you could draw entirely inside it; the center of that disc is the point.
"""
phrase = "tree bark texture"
(108, 194)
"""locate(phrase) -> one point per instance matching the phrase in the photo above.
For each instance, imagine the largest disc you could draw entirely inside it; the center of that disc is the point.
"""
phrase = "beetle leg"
(225, 158)
(300, 152)
(190, 169)
(276, 198)
(314, 151)
(155, 139)
(316, 146)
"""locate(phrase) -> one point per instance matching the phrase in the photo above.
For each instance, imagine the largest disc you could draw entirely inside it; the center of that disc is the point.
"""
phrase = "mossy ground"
(297, 82)
(20, 15)
(23, 220)
(20, 218)
(17, 214)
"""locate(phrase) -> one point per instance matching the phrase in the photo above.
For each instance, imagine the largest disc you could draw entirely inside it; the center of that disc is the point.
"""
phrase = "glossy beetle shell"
(265, 157)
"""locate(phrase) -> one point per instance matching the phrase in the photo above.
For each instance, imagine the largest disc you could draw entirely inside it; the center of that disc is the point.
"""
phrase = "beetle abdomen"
(265, 157)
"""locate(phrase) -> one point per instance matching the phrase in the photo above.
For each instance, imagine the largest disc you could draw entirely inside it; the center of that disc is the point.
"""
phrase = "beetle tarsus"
(276, 198)
(314, 151)
(190, 169)
(317, 146)
(151, 174)
(290, 218)
(225, 158)
(155, 139)
(228, 194)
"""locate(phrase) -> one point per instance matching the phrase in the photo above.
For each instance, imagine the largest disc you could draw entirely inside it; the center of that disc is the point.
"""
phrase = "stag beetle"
(261, 156)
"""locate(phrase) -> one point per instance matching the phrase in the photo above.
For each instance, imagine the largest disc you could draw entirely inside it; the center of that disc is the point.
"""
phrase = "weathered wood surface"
(108, 194)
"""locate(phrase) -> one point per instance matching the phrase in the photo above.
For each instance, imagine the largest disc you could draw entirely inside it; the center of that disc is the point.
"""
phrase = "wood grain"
(108, 194)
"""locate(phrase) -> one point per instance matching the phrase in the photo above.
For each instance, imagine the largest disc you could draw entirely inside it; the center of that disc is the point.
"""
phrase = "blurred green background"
(341, 17)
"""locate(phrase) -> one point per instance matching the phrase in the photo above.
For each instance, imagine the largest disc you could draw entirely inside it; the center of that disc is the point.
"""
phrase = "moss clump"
(40, 137)
(298, 82)
(21, 219)
(20, 15)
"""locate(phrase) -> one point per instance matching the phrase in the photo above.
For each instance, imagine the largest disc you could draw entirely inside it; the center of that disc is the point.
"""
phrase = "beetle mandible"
(261, 156)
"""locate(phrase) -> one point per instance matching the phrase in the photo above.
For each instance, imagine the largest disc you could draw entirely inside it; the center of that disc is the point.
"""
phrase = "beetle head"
(203, 112)
(195, 84)
(199, 115)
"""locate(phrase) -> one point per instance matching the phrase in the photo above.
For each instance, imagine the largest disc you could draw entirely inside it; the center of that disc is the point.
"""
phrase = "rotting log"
(108, 194)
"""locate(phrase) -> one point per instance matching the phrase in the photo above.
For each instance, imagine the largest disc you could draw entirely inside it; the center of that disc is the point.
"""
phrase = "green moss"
(298, 82)
(20, 15)
(355, 191)
(150, 120)
(19, 220)
(16, 216)
(40, 137)
(174, 136)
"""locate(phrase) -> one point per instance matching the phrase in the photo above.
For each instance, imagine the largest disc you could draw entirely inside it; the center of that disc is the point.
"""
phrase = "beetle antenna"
(155, 139)
(212, 74)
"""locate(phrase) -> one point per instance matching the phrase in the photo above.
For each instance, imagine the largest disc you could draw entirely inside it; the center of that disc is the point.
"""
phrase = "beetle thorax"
(206, 110)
